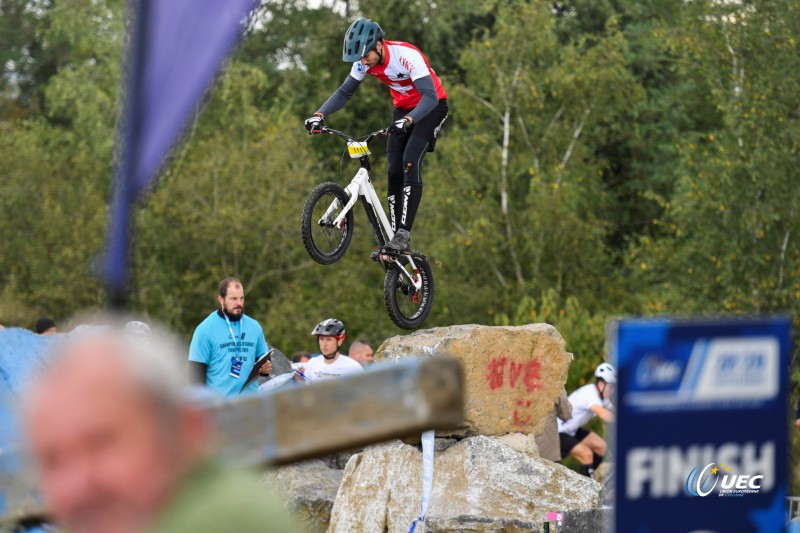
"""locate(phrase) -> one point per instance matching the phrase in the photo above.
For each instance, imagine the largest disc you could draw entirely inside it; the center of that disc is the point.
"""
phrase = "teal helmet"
(361, 37)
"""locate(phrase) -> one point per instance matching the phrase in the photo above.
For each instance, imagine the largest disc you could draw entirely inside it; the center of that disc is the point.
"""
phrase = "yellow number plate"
(357, 149)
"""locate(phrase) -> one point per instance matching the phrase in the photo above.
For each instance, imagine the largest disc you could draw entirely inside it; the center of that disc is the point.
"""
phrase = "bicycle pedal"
(381, 257)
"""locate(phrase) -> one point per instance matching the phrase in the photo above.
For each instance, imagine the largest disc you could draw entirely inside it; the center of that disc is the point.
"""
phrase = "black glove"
(400, 126)
(314, 123)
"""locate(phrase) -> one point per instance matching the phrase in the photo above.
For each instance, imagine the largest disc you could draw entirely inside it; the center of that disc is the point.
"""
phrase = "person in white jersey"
(330, 363)
(420, 109)
(589, 401)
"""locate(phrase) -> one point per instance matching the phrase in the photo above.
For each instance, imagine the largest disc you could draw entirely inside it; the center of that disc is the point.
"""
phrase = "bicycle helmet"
(361, 37)
(136, 328)
(330, 327)
(607, 373)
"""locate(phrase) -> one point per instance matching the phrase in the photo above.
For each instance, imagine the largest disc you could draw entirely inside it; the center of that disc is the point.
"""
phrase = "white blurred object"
(276, 382)
(137, 328)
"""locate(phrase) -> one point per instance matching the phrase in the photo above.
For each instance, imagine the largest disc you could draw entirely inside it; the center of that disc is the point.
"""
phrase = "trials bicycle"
(327, 229)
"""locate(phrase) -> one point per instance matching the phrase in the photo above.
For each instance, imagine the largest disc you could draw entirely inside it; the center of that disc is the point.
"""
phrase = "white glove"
(400, 126)
(314, 123)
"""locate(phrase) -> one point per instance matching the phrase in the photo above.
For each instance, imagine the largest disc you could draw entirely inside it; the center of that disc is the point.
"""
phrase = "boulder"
(468, 524)
(339, 460)
(280, 365)
(593, 521)
(311, 487)
(513, 374)
(480, 482)
(520, 442)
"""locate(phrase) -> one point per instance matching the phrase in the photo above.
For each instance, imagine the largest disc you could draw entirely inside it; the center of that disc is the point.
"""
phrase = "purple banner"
(177, 50)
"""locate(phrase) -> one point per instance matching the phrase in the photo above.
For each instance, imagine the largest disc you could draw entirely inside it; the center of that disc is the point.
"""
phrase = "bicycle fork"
(360, 186)
(416, 279)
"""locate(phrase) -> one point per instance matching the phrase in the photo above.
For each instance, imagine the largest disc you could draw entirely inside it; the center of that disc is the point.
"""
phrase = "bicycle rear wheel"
(326, 242)
(408, 307)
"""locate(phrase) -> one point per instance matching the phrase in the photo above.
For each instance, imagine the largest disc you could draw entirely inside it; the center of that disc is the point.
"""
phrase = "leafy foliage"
(602, 158)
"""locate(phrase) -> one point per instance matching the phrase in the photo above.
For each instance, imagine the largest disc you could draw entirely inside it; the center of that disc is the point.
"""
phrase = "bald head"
(361, 351)
(110, 432)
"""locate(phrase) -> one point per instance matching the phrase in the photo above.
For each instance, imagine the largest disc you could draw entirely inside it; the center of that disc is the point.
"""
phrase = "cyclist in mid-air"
(420, 109)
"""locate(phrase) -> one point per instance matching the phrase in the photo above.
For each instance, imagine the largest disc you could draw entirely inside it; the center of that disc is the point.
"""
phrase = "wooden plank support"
(295, 423)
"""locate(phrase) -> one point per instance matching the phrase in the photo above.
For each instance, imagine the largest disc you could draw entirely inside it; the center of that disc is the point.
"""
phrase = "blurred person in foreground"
(121, 450)
(361, 352)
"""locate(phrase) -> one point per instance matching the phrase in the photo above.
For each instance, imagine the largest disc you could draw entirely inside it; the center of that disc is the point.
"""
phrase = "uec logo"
(702, 482)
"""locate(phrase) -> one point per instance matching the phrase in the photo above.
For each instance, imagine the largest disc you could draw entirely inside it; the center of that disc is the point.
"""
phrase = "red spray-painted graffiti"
(527, 373)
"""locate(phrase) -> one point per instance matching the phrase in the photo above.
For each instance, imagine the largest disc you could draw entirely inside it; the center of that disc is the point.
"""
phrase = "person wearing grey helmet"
(420, 109)
(330, 363)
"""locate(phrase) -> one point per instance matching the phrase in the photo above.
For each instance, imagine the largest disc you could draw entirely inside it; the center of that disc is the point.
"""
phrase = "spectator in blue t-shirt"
(226, 345)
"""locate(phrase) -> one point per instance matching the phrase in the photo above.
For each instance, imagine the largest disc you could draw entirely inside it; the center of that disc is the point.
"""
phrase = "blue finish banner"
(702, 424)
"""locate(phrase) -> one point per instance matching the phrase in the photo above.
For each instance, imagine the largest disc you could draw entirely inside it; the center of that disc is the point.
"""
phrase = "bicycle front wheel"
(408, 306)
(325, 241)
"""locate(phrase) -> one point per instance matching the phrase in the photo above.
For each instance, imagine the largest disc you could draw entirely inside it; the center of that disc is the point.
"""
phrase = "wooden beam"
(295, 423)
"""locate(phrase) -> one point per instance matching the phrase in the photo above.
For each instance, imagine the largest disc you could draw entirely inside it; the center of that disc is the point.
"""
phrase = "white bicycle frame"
(361, 185)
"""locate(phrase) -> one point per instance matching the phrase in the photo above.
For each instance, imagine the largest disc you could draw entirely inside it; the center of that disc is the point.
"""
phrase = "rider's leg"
(419, 141)
(598, 446)
(395, 146)
(583, 454)
(412, 193)
(595, 443)
(579, 447)
(571, 445)
(412, 180)
(395, 188)
(597, 460)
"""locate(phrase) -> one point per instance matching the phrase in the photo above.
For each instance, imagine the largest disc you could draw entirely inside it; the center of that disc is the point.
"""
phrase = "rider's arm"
(339, 97)
(428, 101)
(604, 414)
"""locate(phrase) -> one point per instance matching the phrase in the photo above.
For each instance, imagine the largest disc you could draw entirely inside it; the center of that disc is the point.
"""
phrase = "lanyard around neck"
(230, 328)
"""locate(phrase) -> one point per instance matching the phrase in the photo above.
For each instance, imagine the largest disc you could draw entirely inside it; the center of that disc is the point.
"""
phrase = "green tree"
(728, 228)
(55, 168)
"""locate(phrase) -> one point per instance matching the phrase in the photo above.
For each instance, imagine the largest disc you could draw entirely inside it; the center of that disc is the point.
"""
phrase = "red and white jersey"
(403, 63)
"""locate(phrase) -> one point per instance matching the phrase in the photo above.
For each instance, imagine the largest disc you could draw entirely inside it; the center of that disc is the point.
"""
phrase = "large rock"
(311, 487)
(481, 483)
(594, 521)
(469, 524)
(513, 375)
(520, 442)
(280, 365)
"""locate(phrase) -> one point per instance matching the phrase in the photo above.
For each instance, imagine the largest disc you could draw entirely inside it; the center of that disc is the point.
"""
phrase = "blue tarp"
(22, 356)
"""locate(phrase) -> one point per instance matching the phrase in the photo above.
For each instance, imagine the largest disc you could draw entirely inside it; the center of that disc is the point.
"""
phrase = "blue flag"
(176, 51)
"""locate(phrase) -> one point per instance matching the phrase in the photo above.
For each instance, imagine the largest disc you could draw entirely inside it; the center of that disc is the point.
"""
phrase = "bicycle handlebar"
(380, 133)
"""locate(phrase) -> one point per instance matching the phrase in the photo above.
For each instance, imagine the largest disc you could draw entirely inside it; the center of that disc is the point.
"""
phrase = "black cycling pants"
(405, 153)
